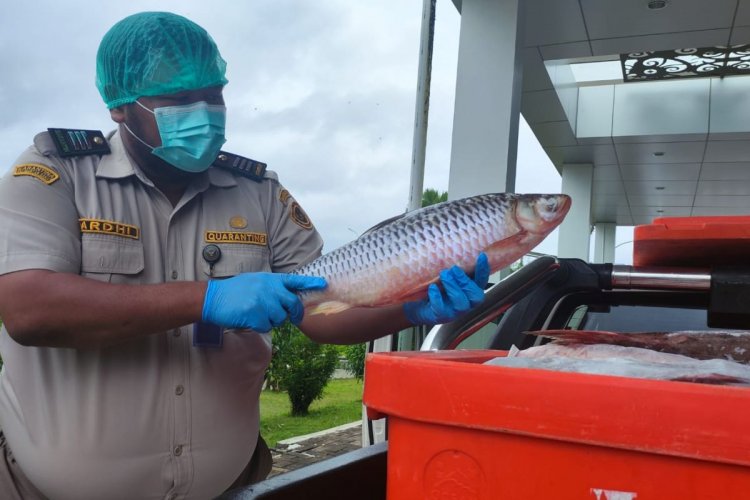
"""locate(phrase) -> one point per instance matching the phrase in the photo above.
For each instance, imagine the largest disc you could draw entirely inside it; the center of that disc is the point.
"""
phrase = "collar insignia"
(238, 222)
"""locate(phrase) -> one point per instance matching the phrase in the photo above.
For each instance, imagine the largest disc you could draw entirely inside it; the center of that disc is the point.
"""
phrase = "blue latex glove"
(460, 294)
(258, 301)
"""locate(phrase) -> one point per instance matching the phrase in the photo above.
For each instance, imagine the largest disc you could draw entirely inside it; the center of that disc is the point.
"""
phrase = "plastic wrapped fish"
(710, 344)
(602, 359)
(397, 260)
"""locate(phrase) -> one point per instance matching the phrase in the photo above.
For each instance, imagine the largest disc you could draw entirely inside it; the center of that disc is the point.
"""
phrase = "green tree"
(282, 343)
(355, 355)
(432, 196)
(300, 366)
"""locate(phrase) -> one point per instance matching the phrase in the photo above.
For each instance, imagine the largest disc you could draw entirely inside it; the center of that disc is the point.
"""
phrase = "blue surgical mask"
(191, 134)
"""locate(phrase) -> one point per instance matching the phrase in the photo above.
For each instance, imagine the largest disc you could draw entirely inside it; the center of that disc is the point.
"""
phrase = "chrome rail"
(629, 277)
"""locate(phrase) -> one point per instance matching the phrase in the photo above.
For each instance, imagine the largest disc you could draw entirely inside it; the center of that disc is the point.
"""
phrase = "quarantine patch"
(100, 226)
(299, 216)
(241, 237)
(37, 171)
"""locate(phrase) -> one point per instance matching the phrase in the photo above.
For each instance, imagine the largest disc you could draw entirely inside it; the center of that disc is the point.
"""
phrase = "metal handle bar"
(630, 277)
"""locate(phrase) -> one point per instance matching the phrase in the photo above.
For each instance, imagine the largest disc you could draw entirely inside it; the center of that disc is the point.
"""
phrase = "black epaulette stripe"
(76, 142)
(240, 165)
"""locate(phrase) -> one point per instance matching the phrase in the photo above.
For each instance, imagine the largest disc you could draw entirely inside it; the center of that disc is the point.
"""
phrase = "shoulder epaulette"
(240, 165)
(74, 142)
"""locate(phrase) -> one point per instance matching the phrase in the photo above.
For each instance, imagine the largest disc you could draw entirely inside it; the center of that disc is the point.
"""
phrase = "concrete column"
(575, 231)
(488, 98)
(604, 242)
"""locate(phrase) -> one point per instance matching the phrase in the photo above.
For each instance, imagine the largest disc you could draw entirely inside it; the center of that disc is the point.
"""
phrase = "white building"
(674, 141)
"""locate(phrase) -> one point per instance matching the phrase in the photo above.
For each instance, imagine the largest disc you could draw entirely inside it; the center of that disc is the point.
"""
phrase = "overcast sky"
(323, 91)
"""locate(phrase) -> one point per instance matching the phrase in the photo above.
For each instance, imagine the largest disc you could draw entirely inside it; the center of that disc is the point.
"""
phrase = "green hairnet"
(155, 53)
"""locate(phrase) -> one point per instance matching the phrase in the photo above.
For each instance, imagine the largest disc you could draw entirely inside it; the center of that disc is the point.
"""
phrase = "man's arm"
(355, 325)
(49, 309)
(52, 309)
(46, 308)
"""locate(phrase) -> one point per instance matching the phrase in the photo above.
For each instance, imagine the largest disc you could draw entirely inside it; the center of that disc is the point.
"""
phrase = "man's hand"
(460, 294)
(259, 301)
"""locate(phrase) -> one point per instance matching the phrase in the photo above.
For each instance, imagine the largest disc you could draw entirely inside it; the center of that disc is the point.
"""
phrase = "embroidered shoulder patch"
(241, 237)
(102, 226)
(284, 196)
(299, 216)
(37, 171)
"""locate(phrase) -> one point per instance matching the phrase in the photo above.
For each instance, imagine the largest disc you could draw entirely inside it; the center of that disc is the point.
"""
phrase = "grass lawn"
(341, 404)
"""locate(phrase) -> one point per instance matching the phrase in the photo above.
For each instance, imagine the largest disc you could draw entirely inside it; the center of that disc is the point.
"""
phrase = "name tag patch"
(242, 237)
(37, 171)
(101, 226)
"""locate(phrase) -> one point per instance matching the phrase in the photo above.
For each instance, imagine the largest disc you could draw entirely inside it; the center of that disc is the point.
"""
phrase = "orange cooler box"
(458, 429)
(693, 241)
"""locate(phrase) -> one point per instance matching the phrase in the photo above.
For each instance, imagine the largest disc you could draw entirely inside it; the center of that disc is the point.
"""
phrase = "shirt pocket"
(111, 259)
(237, 259)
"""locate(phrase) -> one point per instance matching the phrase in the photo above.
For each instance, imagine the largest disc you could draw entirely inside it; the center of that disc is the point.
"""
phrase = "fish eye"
(548, 206)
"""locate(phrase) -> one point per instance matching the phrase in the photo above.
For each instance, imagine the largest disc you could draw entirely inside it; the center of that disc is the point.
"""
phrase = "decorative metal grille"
(686, 63)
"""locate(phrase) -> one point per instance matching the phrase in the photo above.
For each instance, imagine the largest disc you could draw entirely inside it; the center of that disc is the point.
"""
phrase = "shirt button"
(174, 275)
(179, 390)
(177, 451)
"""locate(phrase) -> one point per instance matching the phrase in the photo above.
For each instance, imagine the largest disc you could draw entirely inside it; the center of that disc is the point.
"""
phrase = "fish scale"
(397, 260)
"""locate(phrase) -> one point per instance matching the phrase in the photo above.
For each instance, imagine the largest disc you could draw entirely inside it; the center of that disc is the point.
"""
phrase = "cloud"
(323, 91)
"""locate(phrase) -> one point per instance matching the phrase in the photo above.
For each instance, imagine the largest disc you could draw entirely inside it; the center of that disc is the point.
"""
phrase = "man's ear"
(117, 114)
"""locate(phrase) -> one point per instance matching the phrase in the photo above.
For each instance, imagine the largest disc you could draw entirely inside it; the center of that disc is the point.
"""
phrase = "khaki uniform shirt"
(153, 417)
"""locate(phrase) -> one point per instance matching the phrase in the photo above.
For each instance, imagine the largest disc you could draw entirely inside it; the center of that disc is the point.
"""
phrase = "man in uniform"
(138, 272)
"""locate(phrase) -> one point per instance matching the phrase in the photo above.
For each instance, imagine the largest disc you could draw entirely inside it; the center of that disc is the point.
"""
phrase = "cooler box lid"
(693, 241)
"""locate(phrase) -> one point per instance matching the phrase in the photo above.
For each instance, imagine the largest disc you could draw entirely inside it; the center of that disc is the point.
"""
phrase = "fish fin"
(505, 252)
(330, 307)
(398, 217)
(413, 296)
(512, 240)
(418, 292)
(383, 223)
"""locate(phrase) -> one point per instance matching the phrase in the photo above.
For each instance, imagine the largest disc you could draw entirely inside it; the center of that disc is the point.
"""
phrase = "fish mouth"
(540, 213)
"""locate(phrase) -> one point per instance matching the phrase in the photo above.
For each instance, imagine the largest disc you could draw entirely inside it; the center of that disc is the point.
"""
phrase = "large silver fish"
(395, 261)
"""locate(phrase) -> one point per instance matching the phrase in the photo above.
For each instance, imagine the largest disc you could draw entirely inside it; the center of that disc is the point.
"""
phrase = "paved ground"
(295, 453)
